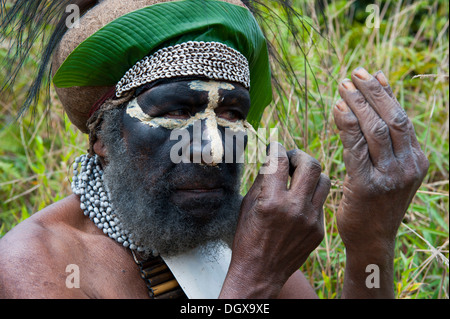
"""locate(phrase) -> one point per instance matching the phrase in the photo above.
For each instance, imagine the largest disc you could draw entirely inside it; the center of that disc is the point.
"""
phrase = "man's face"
(172, 206)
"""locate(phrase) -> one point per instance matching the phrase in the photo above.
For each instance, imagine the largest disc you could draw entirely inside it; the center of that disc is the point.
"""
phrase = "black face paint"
(177, 106)
(170, 206)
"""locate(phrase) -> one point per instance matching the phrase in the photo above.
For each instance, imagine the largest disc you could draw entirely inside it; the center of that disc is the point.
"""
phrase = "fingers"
(275, 172)
(307, 180)
(379, 75)
(356, 152)
(275, 153)
(374, 129)
(255, 189)
(386, 107)
(305, 175)
(385, 84)
(321, 193)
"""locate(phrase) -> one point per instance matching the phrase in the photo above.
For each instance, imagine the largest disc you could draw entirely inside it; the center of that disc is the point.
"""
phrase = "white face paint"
(212, 120)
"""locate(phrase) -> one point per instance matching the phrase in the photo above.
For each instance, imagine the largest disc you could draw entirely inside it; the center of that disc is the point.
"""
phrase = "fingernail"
(342, 106)
(382, 78)
(348, 85)
(362, 73)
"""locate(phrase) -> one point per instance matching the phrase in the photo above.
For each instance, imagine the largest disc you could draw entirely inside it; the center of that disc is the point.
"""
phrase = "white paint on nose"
(212, 130)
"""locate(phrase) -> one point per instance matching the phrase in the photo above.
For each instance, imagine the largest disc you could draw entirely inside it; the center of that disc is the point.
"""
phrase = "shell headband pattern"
(213, 60)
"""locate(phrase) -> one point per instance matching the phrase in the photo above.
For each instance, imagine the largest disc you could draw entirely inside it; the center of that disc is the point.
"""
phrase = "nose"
(206, 142)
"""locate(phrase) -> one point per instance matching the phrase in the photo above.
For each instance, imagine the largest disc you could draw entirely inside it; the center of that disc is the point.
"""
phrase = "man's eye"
(178, 114)
(230, 116)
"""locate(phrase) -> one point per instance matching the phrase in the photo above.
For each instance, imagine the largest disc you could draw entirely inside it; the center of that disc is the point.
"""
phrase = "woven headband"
(212, 60)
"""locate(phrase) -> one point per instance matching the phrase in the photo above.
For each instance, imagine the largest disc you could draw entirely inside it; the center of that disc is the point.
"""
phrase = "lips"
(199, 200)
(206, 185)
(201, 189)
(195, 179)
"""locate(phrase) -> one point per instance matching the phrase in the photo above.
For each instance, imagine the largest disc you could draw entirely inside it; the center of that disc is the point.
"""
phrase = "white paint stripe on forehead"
(210, 86)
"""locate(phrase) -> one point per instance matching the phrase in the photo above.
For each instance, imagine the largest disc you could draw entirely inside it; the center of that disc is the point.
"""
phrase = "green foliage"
(411, 48)
(36, 153)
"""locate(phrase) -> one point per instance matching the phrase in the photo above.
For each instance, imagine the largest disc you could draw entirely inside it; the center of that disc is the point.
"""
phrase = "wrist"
(244, 282)
(380, 251)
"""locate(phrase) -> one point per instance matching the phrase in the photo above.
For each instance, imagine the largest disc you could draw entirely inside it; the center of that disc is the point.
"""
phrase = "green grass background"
(411, 46)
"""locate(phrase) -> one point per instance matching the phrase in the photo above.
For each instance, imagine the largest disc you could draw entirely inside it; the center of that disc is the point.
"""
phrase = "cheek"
(149, 143)
(152, 145)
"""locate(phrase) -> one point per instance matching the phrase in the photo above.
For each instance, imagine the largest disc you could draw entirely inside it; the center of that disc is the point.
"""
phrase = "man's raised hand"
(385, 167)
(279, 226)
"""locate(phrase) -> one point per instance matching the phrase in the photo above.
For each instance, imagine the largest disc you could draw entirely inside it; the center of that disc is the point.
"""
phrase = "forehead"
(197, 88)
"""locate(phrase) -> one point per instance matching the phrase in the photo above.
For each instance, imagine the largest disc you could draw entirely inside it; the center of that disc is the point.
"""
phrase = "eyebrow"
(135, 111)
(160, 100)
(231, 98)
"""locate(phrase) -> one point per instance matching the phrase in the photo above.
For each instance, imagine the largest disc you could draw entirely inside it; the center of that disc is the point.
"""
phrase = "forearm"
(369, 274)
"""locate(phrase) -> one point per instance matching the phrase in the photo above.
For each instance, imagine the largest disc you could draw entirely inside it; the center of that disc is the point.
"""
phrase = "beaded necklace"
(88, 183)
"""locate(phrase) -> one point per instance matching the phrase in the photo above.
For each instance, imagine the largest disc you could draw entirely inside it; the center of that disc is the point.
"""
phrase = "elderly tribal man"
(141, 224)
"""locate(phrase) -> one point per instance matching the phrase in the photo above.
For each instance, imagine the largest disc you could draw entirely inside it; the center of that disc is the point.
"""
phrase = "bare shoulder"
(30, 263)
(39, 256)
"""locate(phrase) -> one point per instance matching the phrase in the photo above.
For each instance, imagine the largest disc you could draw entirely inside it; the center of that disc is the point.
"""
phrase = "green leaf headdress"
(104, 57)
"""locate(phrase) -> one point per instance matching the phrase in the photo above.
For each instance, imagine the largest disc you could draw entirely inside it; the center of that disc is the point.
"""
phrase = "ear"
(100, 148)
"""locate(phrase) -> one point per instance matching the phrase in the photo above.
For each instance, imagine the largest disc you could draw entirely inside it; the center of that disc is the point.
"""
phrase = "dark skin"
(277, 225)
(176, 100)
(107, 269)
(385, 167)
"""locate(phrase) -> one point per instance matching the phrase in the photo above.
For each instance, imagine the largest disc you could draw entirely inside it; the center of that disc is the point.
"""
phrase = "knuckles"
(400, 122)
(295, 206)
(313, 166)
(424, 165)
(418, 170)
(359, 99)
(269, 205)
(319, 232)
(379, 130)
(303, 161)
(401, 175)
(289, 210)
(377, 92)
(283, 163)
(351, 125)
(412, 167)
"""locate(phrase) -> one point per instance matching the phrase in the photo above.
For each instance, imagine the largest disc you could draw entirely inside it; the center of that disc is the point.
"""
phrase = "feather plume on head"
(27, 22)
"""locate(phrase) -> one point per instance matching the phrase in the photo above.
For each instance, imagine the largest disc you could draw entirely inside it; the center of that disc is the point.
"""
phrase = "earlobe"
(100, 148)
